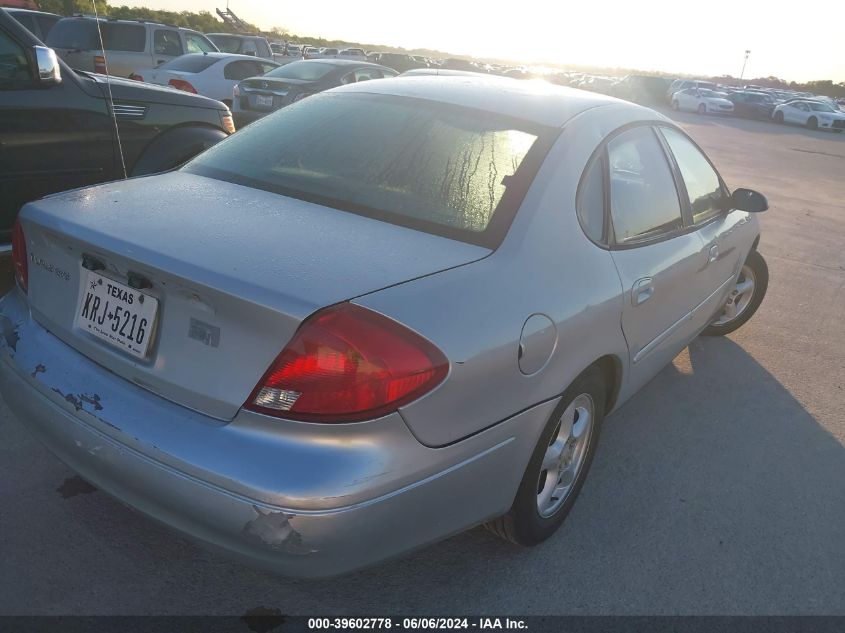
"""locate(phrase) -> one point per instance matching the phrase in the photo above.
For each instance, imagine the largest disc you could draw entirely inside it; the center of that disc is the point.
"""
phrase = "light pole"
(744, 62)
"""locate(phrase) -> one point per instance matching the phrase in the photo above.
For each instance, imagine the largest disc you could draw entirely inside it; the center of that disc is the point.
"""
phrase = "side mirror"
(49, 71)
(749, 200)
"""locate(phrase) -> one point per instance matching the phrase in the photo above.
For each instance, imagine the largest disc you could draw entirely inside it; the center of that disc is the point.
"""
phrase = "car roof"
(539, 102)
(109, 20)
(31, 12)
(226, 56)
(245, 36)
(339, 62)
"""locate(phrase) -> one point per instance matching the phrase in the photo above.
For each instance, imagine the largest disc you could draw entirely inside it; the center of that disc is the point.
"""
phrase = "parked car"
(310, 52)
(364, 330)
(128, 45)
(399, 62)
(38, 23)
(643, 89)
(683, 84)
(58, 122)
(454, 63)
(239, 44)
(752, 105)
(291, 51)
(355, 54)
(328, 53)
(257, 97)
(702, 101)
(812, 114)
(212, 75)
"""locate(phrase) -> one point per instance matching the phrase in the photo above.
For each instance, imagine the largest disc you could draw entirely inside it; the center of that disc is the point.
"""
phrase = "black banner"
(267, 620)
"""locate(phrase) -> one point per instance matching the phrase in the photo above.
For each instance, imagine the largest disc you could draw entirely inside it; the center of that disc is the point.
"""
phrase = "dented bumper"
(302, 499)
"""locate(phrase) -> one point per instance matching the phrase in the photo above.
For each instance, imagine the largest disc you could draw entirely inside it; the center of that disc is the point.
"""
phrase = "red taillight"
(346, 364)
(100, 64)
(19, 260)
(181, 84)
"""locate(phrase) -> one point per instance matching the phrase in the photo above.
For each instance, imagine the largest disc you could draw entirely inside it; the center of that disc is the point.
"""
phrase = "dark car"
(642, 89)
(399, 62)
(57, 131)
(38, 23)
(256, 97)
(752, 105)
(461, 64)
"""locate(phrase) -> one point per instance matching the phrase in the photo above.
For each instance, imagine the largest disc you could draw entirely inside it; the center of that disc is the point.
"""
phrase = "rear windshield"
(305, 70)
(226, 43)
(443, 169)
(82, 34)
(191, 63)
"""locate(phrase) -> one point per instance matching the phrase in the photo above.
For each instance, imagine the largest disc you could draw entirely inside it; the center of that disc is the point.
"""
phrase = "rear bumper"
(300, 499)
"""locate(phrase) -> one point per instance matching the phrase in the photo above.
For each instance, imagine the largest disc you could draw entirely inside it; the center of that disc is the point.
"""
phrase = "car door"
(52, 138)
(658, 258)
(795, 113)
(720, 228)
(167, 44)
(740, 104)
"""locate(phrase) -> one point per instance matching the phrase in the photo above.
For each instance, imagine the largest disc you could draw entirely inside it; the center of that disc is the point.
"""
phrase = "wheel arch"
(611, 369)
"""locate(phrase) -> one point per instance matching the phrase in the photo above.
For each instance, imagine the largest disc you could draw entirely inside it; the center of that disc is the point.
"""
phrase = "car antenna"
(108, 85)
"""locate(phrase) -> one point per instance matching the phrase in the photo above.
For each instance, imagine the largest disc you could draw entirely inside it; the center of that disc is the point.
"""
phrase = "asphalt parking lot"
(718, 489)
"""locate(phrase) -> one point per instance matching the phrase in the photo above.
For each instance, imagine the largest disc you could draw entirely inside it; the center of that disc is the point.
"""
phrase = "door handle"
(642, 291)
(714, 254)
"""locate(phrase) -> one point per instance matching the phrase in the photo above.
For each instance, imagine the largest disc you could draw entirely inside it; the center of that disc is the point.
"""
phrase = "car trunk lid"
(234, 270)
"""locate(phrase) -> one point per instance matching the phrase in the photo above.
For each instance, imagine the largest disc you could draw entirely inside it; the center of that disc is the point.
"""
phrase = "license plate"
(264, 101)
(122, 316)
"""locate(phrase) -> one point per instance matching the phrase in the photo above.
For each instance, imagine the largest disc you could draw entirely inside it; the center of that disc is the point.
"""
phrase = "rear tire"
(779, 117)
(675, 105)
(702, 109)
(756, 271)
(812, 123)
(571, 452)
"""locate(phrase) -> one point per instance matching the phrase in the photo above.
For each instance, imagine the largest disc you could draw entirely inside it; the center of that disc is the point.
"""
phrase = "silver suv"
(128, 46)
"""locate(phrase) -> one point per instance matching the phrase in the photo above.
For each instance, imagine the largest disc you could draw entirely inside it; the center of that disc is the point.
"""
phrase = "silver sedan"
(376, 318)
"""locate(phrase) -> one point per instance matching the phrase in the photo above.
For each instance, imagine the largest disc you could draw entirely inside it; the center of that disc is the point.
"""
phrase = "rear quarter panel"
(475, 313)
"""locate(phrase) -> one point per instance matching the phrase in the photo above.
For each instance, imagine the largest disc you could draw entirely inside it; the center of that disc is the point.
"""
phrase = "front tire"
(812, 123)
(779, 117)
(746, 297)
(558, 465)
(675, 105)
(702, 109)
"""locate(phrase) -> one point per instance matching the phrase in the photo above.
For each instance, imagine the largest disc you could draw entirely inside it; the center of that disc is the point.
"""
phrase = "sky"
(684, 36)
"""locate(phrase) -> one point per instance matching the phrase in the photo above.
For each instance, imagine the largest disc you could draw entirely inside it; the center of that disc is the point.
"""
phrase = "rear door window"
(244, 68)
(74, 34)
(363, 74)
(193, 63)
(196, 43)
(644, 203)
(590, 201)
(124, 37)
(167, 42)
